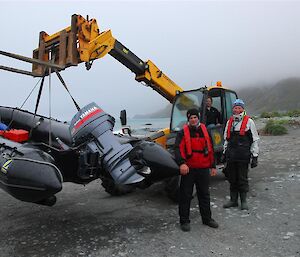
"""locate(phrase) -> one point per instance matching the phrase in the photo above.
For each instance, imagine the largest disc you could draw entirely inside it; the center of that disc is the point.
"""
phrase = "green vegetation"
(275, 128)
(292, 113)
(283, 122)
(270, 114)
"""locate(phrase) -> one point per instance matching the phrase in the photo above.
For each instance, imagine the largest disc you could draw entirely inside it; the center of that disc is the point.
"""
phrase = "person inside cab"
(240, 147)
(213, 116)
(195, 157)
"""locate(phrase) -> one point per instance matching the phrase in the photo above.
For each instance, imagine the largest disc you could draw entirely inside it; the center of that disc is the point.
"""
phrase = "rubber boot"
(244, 205)
(233, 202)
(185, 227)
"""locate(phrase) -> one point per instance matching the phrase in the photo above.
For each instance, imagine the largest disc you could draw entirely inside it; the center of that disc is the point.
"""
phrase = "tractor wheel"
(172, 188)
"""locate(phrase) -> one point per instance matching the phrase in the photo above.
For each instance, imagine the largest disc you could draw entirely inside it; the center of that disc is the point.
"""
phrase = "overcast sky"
(195, 43)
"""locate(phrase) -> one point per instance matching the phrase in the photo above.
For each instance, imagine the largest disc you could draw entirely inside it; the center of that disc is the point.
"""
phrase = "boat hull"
(27, 173)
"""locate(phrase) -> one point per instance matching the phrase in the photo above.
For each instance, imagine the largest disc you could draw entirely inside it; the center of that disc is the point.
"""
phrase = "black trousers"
(200, 178)
(238, 176)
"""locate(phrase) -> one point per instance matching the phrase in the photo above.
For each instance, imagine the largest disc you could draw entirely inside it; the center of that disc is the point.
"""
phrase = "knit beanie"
(239, 102)
(191, 112)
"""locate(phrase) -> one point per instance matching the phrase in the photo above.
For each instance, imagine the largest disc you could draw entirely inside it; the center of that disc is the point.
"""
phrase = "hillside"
(282, 96)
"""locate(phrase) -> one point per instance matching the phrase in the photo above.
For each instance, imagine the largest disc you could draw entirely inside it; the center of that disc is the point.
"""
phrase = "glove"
(223, 158)
(254, 162)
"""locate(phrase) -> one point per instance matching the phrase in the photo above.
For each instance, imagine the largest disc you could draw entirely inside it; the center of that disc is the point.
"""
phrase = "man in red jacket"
(194, 154)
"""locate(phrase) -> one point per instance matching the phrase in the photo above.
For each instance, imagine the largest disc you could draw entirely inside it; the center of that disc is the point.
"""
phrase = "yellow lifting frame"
(83, 42)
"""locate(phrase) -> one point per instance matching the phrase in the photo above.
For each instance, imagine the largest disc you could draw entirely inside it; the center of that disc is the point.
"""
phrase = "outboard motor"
(92, 127)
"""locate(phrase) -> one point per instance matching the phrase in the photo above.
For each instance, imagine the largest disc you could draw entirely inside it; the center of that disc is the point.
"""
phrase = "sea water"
(144, 126)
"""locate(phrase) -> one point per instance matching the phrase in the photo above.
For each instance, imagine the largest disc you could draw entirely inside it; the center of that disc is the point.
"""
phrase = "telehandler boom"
(83, 42)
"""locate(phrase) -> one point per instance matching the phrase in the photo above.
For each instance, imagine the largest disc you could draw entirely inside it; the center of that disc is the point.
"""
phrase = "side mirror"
(123, 117)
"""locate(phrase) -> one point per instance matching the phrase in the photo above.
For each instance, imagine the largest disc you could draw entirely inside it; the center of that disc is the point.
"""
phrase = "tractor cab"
(222, 99)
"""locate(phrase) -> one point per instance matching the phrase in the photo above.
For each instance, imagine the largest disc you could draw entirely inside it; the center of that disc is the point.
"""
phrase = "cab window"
(184, 102)
(216, 102)
(230, 97)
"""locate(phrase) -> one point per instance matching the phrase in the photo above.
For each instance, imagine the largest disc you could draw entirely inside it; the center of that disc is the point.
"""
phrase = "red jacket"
(194, 147)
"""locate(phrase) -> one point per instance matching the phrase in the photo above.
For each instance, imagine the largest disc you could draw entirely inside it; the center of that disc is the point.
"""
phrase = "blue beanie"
(239, 102)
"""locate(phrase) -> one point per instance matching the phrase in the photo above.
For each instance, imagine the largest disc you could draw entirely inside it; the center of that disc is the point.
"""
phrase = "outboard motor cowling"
(91, 124)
